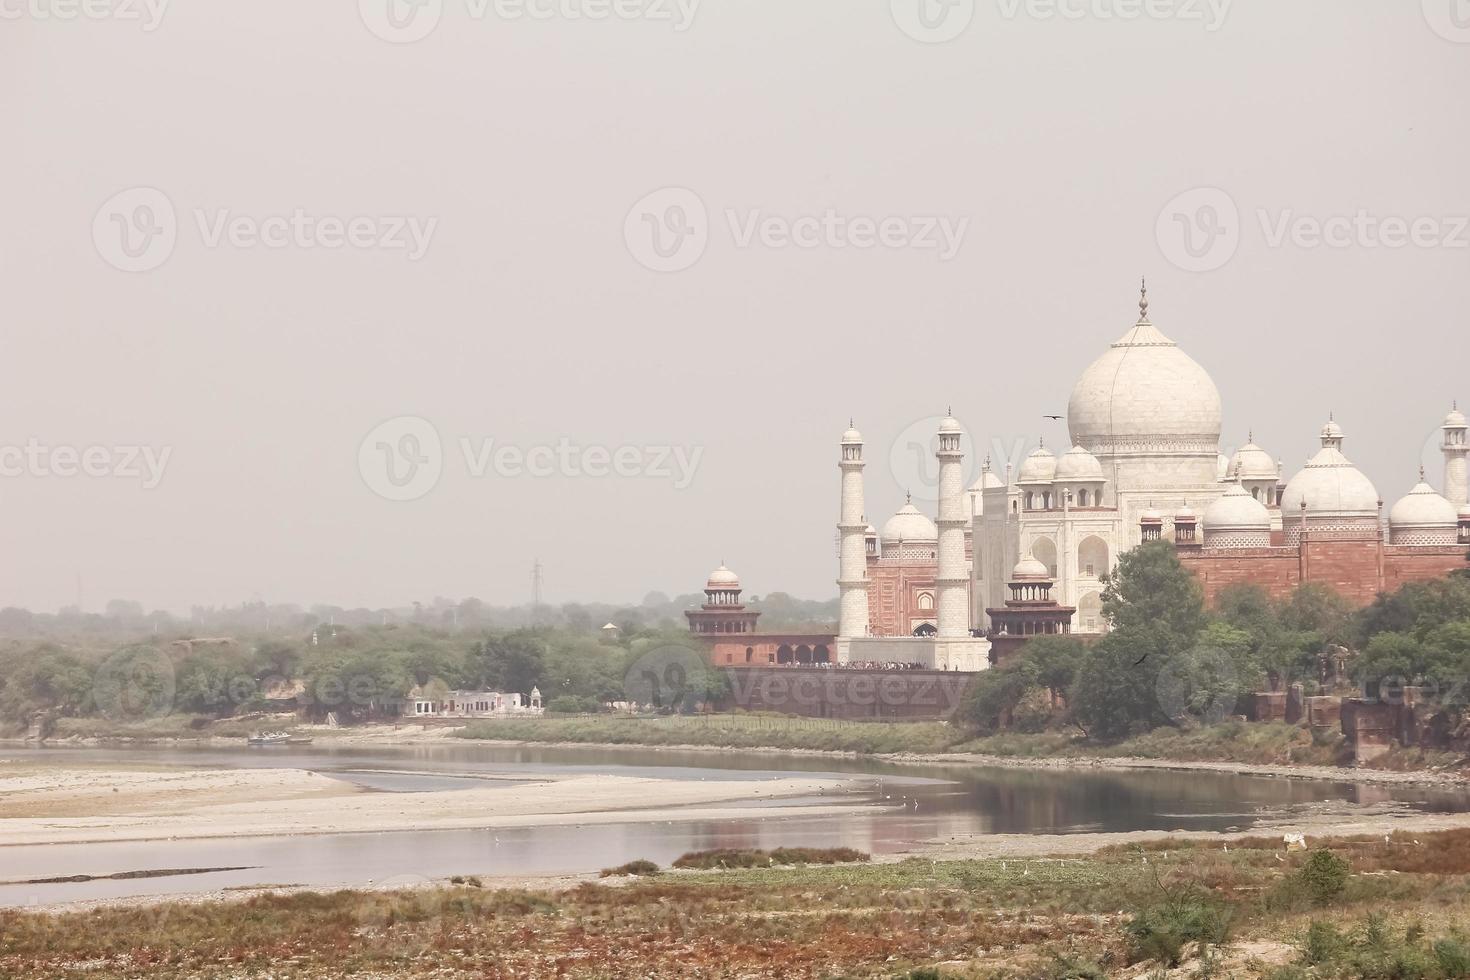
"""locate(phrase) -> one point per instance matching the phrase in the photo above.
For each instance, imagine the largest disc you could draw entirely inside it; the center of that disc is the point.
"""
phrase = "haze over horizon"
(499, 295)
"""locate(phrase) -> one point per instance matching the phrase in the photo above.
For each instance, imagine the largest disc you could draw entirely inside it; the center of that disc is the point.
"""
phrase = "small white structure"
(471, 704)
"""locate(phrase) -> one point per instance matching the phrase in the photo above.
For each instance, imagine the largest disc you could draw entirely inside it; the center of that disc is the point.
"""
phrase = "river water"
(919, 803)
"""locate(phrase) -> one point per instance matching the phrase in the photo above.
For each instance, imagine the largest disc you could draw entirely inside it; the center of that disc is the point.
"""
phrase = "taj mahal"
(1023, 553)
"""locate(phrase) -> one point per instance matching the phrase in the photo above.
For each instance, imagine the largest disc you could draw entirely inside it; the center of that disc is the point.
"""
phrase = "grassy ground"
(1377, 908)
(1241, 742)
(733, 731)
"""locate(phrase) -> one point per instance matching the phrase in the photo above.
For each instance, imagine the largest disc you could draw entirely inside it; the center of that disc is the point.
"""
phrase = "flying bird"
(1054, 418)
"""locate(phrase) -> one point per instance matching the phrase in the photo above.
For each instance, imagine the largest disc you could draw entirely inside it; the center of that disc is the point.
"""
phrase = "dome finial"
(908, 497)
(987, 462)
(1250, 435)
(1143, 299)
(1042, 442)
(1421, 472)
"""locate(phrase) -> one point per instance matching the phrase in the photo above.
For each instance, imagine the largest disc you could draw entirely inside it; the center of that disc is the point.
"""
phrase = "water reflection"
(920, 803)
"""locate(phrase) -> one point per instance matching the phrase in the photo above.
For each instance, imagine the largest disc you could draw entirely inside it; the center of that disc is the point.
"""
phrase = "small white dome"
(852, 437)
(1030, 568)
(871, 532)
(1186, 514)
(1330, 486)
(723, 578)
(1039, 467)
(910, 527)
(1251, 462)
(1423, 507)
(950, 424)
(1456, 419)
(1077, 465)
(1237, 510)
(1151, 515)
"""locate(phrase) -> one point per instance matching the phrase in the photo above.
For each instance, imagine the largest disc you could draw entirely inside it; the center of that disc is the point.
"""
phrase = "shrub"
(750, 858)
(639, 867)
(1163, 931)
(1323, 876)
(1453, 957)
(1322, 943)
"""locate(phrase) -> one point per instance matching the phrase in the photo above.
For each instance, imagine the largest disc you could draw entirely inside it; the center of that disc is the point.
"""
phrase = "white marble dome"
(1030, 568)
(950, 424)
(1237, 510)
(1251, 462)
(910, 526)
(1330, 486)
(1039, 467)
(723, 578)
(1456, 419)
(1077, 465)
(1423, 507)
(1145, 396)
(852, 437)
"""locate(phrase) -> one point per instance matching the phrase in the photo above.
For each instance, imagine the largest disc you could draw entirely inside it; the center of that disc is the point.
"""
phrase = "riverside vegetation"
(1163, 683)
(1349, 907)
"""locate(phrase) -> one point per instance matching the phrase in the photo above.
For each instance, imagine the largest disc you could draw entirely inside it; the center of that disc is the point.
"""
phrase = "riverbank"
(1254, 909)
(1233, 747)
(96, 803)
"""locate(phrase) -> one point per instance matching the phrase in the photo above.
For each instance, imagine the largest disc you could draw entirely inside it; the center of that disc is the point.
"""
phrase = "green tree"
(514, 662)
(1156, 610)
(1153, 600)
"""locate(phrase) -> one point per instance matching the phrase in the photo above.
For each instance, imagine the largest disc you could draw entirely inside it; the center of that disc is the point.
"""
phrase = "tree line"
(1166, 660)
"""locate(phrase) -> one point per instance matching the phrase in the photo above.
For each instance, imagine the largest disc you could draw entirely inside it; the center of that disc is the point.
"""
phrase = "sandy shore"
(69, 805)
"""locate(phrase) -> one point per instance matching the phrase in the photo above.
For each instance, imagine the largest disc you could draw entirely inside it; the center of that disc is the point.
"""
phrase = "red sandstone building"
(730, 630)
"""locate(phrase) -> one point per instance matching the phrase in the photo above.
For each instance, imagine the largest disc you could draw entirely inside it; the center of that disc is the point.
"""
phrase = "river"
(919, 803)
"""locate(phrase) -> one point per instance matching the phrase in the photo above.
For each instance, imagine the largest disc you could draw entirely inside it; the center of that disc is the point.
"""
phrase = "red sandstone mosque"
(1024, 555)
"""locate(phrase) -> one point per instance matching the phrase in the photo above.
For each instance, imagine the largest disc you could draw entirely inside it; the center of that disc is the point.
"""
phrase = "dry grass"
(1016, 917)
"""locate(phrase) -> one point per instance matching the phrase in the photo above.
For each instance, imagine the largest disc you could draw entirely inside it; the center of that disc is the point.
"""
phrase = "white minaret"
(852, 571)
(953, 578)
(1455, 447)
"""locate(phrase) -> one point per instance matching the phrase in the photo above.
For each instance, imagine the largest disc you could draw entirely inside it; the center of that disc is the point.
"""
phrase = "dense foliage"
(1167, 661)
(358, 674)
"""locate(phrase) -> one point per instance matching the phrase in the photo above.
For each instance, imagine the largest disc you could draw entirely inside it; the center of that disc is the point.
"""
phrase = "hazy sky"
(150, 153)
